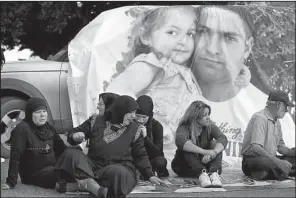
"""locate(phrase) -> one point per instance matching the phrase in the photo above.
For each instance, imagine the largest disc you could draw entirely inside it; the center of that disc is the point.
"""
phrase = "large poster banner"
(104, 55)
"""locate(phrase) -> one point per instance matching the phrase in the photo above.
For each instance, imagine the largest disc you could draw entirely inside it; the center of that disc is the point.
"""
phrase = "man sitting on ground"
(263, 139)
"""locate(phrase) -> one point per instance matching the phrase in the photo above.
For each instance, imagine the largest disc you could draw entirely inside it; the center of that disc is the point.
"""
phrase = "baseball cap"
(280, 96)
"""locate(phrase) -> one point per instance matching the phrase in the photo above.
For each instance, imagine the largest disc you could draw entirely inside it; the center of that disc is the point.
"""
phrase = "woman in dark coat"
(116, 148)
(35, 148)
(153, 135)
(200, 144)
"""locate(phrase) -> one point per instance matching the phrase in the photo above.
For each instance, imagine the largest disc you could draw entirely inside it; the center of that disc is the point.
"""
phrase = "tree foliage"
(46, 27)
(273, 57)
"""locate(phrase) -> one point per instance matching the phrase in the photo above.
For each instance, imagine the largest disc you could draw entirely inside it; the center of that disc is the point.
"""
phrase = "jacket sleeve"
(58, 144)
(182, 136)
(140, 157)
(218, 135)
(85, 128)
(155, 147)
(19, 137)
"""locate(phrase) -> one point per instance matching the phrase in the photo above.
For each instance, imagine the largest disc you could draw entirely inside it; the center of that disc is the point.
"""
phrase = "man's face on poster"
(221, 46)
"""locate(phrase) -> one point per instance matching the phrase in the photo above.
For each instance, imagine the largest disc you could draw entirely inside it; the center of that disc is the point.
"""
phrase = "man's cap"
(280, 96)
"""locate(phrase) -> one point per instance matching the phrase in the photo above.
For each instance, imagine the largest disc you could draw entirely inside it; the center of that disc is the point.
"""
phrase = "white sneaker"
(204, 179)
(216, 180)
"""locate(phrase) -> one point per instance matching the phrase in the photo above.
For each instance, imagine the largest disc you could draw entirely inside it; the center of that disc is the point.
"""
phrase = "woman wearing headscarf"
(67, 183)
(116, 149)
(35, 147)
(153, 135)
(105, 101)
(200, 144)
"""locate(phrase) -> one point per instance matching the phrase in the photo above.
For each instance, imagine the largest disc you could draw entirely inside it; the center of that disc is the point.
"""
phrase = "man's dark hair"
(242, 11)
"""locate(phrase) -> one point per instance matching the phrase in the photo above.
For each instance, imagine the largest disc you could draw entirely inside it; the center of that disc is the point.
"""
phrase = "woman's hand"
(157, 181)
(5, 187)
(206, 159)
(78, 137)
(143, 130)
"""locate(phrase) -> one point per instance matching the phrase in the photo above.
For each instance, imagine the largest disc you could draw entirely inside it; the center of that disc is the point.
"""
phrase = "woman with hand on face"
(153, 135)
(35, 148)
(200, 144)
(116, 149)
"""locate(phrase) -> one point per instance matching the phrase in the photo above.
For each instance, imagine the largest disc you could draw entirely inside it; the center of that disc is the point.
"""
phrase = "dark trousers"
(119, 179)
(45, 178)
(260, 163)
(159, 165)
(186, 164)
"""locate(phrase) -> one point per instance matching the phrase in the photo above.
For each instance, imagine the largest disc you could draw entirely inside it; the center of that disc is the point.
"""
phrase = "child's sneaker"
(204, 179)
(216, 181)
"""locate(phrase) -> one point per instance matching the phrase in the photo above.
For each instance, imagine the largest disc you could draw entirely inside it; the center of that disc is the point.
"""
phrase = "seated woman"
(66, 183)
(200, 144)
(153, 135)
(35, 147)
(116, 148)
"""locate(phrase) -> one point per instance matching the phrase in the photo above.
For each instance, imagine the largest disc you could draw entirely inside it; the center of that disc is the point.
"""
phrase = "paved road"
(22, 190)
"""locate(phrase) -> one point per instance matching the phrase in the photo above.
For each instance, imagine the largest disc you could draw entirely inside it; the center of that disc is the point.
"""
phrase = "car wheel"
(12, 113)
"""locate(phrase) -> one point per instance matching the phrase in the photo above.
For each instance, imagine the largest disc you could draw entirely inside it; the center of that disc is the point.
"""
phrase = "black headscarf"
(145, 105)
(34, 104)
(121, 106)
(146, 108)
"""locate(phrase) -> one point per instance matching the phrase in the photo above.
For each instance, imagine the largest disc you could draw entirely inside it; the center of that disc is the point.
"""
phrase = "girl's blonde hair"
(149, 21)
(194, 113)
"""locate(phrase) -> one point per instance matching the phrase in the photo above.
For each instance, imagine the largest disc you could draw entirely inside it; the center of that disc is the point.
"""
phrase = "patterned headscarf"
(114, 117)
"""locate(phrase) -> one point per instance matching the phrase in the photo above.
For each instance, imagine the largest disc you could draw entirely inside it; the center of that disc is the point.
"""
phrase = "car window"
(61, 56)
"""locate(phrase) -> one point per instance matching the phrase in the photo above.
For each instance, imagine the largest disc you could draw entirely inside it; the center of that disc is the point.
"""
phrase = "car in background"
(22, 80)
(2, 58)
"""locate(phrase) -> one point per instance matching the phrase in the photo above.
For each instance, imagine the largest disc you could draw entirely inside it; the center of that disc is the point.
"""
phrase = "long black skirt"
(45, 178)
(119, 179)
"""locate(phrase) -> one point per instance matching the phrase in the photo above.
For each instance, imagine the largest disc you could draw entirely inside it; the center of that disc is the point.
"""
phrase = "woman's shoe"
(204, 179)
(216, 180)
